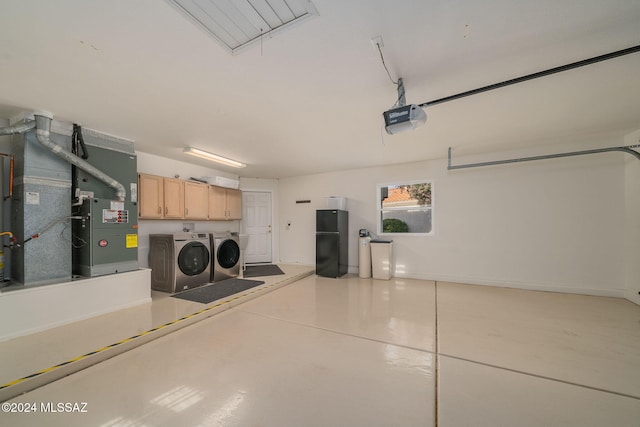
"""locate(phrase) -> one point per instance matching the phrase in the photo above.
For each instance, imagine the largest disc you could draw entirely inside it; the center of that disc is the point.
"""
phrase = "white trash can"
(382, 259)
(364, 257)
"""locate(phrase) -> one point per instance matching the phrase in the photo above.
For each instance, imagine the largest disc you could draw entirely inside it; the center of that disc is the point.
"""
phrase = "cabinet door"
(234, 204)
(196, 200)
(150, 197)
(217, 203)
(173, 198)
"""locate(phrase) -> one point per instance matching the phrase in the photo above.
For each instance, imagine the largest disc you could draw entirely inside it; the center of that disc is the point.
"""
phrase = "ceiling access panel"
(237, 24)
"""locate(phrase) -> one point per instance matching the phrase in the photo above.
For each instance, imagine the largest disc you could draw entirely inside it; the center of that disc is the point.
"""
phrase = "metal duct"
(21, 128)
(43, 126)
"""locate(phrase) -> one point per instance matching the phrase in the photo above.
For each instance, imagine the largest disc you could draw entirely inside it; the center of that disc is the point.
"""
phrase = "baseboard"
(531, 286)
(633, 296)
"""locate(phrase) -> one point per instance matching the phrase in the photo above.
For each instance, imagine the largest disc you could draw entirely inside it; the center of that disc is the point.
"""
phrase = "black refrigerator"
(332, 242)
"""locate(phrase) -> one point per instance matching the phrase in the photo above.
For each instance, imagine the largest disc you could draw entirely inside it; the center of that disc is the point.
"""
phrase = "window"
(405, 208)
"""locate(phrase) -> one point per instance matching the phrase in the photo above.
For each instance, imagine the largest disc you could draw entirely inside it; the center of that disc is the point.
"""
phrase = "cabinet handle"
(166, 210)
(159, 209)
(186, 211)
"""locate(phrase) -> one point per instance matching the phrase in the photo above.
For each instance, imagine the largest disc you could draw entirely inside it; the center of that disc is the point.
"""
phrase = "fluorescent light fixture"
(239, 23)
(212, 157)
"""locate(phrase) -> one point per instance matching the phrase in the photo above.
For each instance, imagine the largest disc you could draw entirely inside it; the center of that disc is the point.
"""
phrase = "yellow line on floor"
(126, 340)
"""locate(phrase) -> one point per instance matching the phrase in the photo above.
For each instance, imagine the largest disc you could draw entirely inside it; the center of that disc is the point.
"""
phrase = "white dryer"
(179, 261)
(226, 256)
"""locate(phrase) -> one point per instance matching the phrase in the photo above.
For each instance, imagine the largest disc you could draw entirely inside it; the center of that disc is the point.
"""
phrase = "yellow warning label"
(132, 241)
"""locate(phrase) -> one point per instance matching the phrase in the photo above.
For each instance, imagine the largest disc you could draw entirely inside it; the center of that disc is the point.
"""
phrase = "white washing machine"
(226, 256)
(179, 261)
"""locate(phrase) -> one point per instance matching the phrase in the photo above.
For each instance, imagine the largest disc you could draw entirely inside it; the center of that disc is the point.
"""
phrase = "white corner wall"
(555, 225)
(35, 309)
(632, 223)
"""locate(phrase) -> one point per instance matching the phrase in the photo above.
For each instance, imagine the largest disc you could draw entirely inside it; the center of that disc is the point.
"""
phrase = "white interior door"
(256, 220)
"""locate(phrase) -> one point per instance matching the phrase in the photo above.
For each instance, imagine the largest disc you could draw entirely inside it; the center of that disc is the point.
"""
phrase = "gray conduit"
(43, 126)
(626, 149)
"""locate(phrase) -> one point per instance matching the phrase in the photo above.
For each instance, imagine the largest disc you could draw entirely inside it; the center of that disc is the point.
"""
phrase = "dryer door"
(193, 258)
(228, 254)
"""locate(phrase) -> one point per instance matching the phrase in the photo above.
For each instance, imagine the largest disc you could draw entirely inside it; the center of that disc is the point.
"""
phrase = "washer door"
(228, 254)
(193, 259)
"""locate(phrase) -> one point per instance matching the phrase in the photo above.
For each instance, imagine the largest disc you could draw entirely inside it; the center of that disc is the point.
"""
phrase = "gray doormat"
(262, 270)
(215, 291)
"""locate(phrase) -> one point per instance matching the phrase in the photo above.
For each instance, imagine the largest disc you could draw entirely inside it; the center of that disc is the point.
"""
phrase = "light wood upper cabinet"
(217, 203)
(160, 197)
(196, 200)
(173, 198)
(224, 203)
(151, 196)
(234, 204)
(169, 198)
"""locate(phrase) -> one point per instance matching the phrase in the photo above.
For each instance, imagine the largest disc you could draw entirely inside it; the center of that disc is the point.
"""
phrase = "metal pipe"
(626, 149)
(11, 242)
(12, 130)
(11, 173)
(43, 126)
(561, 68)
(5, 233)
(21, 128)
(2, 210)
(12, 162)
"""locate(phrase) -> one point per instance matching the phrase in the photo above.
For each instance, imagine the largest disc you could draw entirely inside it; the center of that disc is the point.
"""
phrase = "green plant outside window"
(406, 208)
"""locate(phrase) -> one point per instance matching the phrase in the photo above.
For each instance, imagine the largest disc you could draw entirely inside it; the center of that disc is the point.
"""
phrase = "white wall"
(33, 309)
(632, 223)
(550, 225)
(155, 165)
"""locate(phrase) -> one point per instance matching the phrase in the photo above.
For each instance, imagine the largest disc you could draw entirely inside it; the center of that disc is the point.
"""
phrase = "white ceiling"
(311, 99)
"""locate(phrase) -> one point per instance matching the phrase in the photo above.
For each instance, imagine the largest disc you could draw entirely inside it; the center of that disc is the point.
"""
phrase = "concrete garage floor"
(364, 352)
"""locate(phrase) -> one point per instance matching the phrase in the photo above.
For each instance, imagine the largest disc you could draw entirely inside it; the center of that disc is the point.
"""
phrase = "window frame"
(380, 210)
